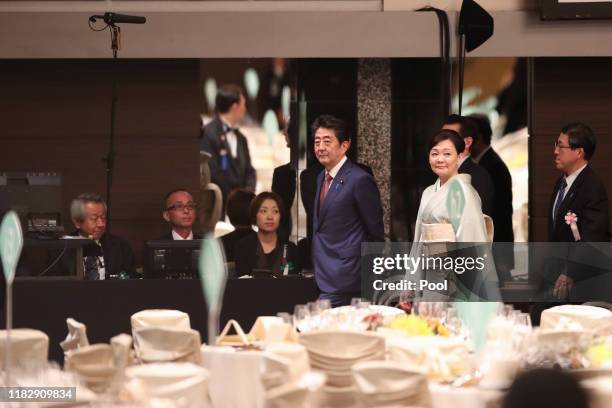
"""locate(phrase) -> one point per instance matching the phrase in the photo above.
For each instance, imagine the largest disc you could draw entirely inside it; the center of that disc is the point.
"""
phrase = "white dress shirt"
(177, 237)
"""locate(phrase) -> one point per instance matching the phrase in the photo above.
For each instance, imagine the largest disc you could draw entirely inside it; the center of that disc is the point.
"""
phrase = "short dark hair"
(483, 127)
(581, 135)
(447, 134)
(227, 95)
(258, 201)
(237, 207)
(333, 123)
(545, 388)
(467, 128)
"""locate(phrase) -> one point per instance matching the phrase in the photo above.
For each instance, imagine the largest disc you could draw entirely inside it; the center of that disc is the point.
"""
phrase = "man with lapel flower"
(579, 197)
(347, 212)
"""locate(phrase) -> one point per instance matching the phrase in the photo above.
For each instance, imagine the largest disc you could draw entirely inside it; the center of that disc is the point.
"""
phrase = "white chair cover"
(185, 384)
(590, 318)
(388, 383)
(335, 352)
(101, 366)
(94, 364)
(174, 319)
(158, 344)
(29, 348)
(77, 335)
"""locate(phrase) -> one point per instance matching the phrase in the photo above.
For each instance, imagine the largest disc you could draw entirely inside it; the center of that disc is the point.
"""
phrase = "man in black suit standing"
(486, 157)
(180, 212)
(481, 181)
(579, 191)
(230, 162)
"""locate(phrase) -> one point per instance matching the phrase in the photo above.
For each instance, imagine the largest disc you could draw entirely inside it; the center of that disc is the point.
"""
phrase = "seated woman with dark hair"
(266, 250)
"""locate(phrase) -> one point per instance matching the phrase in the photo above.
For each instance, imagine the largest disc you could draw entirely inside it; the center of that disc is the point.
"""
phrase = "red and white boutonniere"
(571, 219)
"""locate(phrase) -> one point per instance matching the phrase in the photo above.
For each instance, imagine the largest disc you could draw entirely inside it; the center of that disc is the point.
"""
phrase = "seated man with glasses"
(180, 212)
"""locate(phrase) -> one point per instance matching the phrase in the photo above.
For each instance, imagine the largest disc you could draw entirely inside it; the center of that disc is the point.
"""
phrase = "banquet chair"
(161, 344)
(100, 366)
(185, 384)
(29, 348)
(389, 383)
(166, 318)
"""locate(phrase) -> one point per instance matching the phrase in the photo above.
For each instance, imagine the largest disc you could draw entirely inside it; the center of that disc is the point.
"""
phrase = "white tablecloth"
(235, 380)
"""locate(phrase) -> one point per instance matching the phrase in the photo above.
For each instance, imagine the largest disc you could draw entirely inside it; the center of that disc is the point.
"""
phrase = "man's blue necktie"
(560, 195)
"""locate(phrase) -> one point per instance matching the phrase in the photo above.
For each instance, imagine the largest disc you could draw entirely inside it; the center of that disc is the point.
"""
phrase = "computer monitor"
(169, 259)
(36, 197)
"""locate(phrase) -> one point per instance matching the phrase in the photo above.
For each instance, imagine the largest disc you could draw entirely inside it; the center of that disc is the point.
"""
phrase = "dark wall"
(566, 90)
(55, 116)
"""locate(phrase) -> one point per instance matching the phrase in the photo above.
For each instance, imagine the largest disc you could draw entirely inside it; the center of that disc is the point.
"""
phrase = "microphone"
(113, 18)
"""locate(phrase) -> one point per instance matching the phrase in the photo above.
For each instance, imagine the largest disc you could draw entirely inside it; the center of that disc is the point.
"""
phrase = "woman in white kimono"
(450, 212)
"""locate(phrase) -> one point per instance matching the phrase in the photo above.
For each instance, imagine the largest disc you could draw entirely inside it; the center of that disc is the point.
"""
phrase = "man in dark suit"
(580, 192)
(347, 212)
(180, 212)
(481, 181)
(487, 158)
(230, 162)
(108, 256)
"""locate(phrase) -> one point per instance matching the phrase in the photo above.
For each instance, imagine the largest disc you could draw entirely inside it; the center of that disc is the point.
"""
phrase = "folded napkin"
(443, 358)
(77, 335)
(591, 318)
(389, 383)
(185, 384)
(159, 344)
(29, 348)
(272, 329)
(160, 318)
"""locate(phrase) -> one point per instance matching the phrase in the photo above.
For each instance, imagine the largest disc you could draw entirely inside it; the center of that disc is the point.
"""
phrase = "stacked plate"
(335, 353)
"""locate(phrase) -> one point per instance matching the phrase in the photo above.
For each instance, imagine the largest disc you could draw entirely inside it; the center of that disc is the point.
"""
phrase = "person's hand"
(563, 287)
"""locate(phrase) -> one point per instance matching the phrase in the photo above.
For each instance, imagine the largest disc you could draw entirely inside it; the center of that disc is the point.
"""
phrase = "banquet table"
(106, 306)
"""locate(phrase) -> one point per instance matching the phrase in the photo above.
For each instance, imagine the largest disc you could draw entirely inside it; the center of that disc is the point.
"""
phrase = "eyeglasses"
(560, 146)
(181, 207)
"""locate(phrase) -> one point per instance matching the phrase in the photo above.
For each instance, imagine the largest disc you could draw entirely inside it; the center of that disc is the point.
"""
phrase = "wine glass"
(301, 318)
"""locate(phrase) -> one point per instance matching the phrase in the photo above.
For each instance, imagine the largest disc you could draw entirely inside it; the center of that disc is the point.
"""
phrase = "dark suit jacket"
(481, 181)
(283, 184)
(230, 240)
(240, 172)
(251, 256)
(351, 214)
(117, 253)
(588, 199)
(502, 200)
(502, 213)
